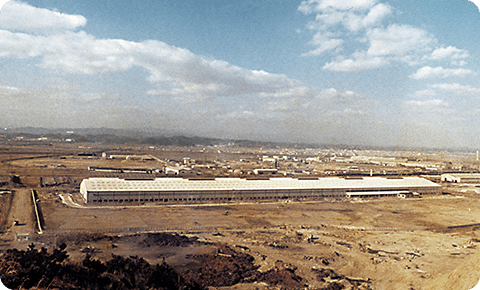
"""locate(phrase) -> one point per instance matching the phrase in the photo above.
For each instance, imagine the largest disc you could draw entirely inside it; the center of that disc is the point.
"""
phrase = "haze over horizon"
(359, 72)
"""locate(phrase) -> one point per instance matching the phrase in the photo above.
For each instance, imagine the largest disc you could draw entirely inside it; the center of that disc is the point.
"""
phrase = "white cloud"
(243, 116)
(65, 93)
(295, 92)
(360, 63)
(329, 94)
(333, 16)
(332, 95)
(286, 105)
(377, 14)
(449, 52)
(398, 40)
(347, 112)
(457, 89)
(313, 6)
(236, 115)
(357, 21)
(324, 43)
(201, 76)
(341, 24)
(325, 21)
(428, 106)
(176, 70)
(429, 72)
(18, 16)
(459, 62)
(191, 89)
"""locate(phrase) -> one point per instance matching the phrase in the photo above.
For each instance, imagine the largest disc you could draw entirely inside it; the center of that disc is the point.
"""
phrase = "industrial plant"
(180, 190)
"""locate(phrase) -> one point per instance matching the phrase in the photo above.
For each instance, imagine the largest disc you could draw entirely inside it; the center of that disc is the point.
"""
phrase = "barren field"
(386, 243)
(391, 243)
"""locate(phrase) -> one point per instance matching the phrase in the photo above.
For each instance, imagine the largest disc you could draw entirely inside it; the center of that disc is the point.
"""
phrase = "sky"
(356, 72)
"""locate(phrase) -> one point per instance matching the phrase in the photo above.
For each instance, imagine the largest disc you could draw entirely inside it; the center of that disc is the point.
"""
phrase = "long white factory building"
(179, 190)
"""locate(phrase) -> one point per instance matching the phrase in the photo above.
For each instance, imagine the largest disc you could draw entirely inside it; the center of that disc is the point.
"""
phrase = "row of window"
(205, 199)
(112, 197)
(220, 193)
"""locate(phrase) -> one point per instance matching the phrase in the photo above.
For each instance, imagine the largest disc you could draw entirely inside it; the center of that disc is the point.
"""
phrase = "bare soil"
(385, 243)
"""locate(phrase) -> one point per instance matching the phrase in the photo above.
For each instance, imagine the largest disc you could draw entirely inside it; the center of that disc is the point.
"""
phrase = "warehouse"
(461, 177)
(179, 190)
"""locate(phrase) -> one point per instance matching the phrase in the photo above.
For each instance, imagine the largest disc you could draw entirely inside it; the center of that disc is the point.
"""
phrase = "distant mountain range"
(67, 131)
(150, 137)
(158, 138)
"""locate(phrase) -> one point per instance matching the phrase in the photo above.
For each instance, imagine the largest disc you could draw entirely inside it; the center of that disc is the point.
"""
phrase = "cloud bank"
(370, 27)
(18, 16)
(52, 37)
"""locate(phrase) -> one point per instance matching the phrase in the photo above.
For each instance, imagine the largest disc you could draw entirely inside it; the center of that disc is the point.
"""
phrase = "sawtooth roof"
(180, 184)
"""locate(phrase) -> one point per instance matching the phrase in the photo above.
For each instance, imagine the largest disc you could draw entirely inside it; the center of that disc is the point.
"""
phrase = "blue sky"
(361, 72)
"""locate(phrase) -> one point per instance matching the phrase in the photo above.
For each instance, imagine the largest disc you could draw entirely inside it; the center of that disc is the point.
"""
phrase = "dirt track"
(21, 212)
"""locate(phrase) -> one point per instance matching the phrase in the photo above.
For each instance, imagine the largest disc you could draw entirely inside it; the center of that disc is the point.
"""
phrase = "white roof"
(180, 184)
(463, 175)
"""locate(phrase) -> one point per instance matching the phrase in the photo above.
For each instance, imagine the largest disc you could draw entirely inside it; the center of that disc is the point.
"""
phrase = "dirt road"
(21, 219)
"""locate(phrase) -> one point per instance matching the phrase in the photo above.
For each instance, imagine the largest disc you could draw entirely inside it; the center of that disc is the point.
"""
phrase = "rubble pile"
(166, 239)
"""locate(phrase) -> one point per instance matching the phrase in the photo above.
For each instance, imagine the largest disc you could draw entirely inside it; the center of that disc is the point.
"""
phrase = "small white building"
(265, 171)
(461, 177)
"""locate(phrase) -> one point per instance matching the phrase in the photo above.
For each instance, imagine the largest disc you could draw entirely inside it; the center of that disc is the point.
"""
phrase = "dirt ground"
(389, 243)
(386, 243)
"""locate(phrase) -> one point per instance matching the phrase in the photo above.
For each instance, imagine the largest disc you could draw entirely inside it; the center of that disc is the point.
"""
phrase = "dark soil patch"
(326, 273)
(226, 267)
(80, 238)
(284, 277)
(166, 239)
